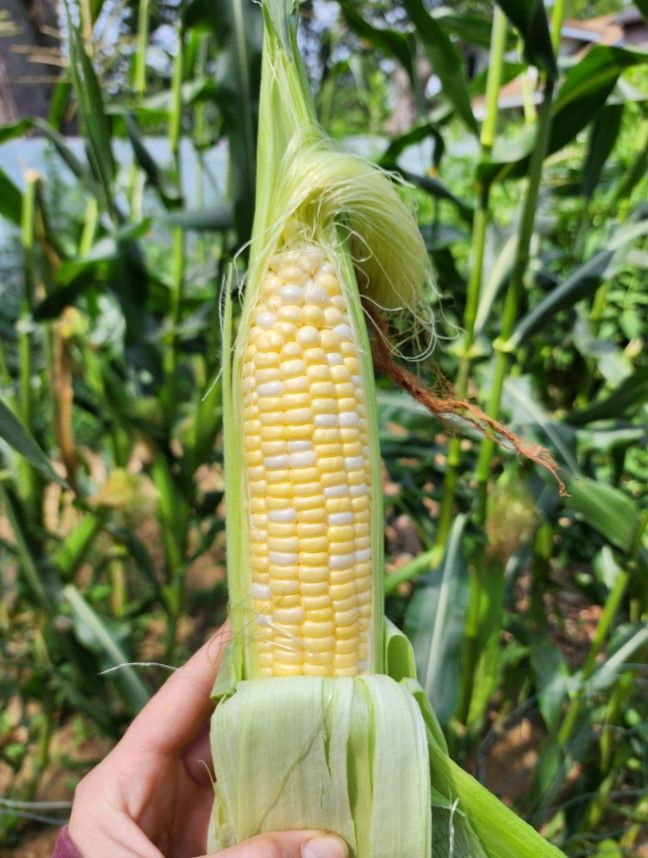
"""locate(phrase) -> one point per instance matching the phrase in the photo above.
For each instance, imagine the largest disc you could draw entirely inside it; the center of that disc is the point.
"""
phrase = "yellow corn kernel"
(307, 473)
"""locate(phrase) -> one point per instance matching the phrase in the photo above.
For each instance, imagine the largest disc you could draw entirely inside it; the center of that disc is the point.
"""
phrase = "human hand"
(152, 796)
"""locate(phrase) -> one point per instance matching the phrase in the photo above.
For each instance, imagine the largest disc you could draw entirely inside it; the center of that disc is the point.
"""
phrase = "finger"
(173, 717)
(197, 758)
(288, 844)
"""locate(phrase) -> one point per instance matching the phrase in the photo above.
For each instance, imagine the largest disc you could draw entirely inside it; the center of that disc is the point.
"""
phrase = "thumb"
(288, 844)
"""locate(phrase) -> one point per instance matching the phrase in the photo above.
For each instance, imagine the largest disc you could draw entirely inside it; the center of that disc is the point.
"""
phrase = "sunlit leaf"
(434, 622)
(607, 509)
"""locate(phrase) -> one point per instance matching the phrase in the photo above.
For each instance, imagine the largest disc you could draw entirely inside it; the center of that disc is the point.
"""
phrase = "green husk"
(307, 183)
(364, 757)
(320, 753)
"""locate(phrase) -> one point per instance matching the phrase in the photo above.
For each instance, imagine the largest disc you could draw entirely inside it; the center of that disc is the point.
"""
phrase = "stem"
(630, 837)
(200, 138)
(501, 367)
(5, 375)
(139, 73)
(175, 116)
(86, 25)
(178, 243)
(528, 86)
(173, 519)
(494, 80)
(90, 222)
(514, 292)
(557, 18)
(471, 634)
(118, 586)
(609, 762)
(44, 737)
(136, 178)
(28, 478)
(486, 140)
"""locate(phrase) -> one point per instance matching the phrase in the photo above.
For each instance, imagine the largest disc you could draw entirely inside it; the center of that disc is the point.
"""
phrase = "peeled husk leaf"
(341, 754)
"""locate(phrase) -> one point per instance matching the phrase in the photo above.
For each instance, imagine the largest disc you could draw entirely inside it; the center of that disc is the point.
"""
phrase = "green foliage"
(522, 606)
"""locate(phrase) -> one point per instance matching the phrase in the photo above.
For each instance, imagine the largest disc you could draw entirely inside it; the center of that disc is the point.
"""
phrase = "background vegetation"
(527, 610)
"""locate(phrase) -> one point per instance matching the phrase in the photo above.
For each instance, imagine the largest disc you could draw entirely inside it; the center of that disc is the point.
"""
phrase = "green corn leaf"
(583, 93)
(59, 102)
(75, 546)
(10, 199)
(434, 622)
(627, 641)
(581, 283)
(496, 278)
(526, 409)
(610, 360)
(425, 562)
(530, 18)
(397, 145)
(93, 115)
(79, 169)
(451, 830)
(609, 511)
(237, 26)
(391, 42)
(218, 218)
(551, 677)
(17, 436)
(437, 189)
(94, 632)
(603, 136)
(169, 195)
(624, 400)
(586, 88)
(14, 130)
(500, 832)
(446, 60)
(611, 440)
(23, 547)
(474, 29)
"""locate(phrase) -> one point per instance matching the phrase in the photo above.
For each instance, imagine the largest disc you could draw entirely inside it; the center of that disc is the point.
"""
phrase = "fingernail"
(325, 847)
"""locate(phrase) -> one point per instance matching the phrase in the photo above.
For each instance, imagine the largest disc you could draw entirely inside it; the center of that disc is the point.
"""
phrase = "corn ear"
(319, 719)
